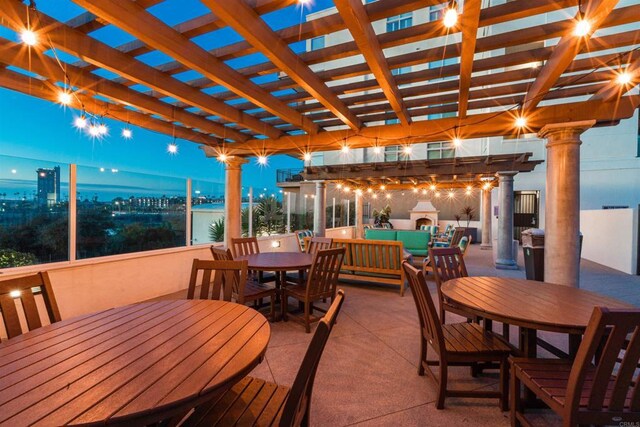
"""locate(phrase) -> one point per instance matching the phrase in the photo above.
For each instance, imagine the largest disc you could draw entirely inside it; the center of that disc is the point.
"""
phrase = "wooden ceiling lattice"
(292, 101)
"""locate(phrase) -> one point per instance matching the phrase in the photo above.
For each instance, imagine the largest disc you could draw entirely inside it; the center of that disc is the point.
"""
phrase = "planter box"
(472, 232)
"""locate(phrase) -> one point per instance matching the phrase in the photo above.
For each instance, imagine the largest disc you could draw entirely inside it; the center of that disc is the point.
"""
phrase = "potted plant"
(469, 214)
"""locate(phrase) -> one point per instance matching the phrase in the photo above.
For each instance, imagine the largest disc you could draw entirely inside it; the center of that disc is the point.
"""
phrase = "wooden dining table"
(531, 305)
(278, 262)
(133, 365)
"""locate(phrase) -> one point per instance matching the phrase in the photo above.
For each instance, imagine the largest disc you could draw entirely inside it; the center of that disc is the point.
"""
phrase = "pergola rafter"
(321, 99)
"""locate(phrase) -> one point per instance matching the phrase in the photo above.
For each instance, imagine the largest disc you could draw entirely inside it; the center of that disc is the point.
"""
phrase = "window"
(436, 13)
(391, 153)
(440, 150)
(399, 22)
(34, 212)
(317, 43)
(442, 115)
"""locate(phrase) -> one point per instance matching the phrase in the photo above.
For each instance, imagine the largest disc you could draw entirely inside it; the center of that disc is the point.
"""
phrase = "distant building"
(48, 186)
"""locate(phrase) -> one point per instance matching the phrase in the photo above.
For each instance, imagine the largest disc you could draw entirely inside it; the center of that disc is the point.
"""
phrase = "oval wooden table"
(531, 305)
(132, 365)
(279, 262)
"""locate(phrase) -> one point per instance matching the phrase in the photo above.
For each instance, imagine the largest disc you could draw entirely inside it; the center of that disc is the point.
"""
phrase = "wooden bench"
(378, 261)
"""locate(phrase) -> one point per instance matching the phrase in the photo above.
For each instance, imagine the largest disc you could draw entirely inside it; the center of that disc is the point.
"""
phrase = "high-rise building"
(48, 186)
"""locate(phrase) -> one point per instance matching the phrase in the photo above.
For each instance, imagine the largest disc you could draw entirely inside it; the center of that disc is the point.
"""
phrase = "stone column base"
(506, 264)
(486, 247)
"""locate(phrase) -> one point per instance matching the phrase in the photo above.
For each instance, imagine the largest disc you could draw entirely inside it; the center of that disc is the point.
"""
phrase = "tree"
(216, 230)
(270, 216)
(245, 221)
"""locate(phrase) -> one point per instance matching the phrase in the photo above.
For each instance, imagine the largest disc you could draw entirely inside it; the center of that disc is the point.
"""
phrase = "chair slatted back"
(607, 334)
(375, 256)
(244, 246)
(315, 244)
(458, 233)
(297, 406)
(324, 272)
(447, 264)
(23, 290)
(220, 254)
(430, 325)
(219, 279)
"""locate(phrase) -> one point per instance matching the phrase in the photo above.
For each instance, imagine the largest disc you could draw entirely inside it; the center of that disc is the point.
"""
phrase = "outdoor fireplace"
(423, 213)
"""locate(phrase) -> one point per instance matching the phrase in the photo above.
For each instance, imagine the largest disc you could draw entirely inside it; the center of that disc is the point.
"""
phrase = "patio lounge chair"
(599, 387)
(458, 344)
(253, 401)
(22, 289)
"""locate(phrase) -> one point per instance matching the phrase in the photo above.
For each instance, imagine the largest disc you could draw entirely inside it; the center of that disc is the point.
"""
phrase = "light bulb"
(424, 191)
(415, 190)
(375, 196)
(102, 129)
(486, 186)
(377, 150)
(28, 37)
(359, 192)
(521, 122)
(432, 187)
(172, 148)
(262, 160)
(306, 157)
(80, 122)
(369, 190)
(382, 187)
(451, 194)
(624, 78)
(583, 26)
(339, 186)
(407, 150)
(222, 157)
(64, 98)
(345, 149)
(127, 133)
(347, 189)
(469, 188)
(450, 17)
(94, 131)
(388, 196)
(437, 194)
(457, 142)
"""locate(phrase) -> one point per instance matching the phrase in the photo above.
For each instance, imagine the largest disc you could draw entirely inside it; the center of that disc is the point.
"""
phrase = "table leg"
(574, 344)
(529, 348)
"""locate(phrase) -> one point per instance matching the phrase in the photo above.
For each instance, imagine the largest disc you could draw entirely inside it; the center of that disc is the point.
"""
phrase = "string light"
(94, 131)
(451, 15)
(521, 122)
(359, 192)
(306, 157)
(424, 191)
(437, 194)
(582, 28)
(222, 157)
(127, 133)
(369, 190)
(80, 122)
(486, 186)
(451, 194)
(388, 196)
(172, 148)
(432, 187)
(407, 150)
(375, 196)
(624, 78)
(28, 37)
(64, 98)
(415, 189)
(102, 129)
(377, 150)
(345, 149)
(457, 142)
(262, 160)
(347, 189)
(339, 186)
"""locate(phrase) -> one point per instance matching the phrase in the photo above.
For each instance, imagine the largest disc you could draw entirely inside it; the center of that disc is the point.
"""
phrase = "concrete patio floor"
(368, 373)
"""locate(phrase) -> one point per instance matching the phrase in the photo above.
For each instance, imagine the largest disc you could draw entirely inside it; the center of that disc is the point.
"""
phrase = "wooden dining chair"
(248, 246)
(457, 344)
(447, 264)
(321, 284)
(23, 291)
(599, 387)
(217, 279)
(253, 291)
(314, 244)
(253, 401)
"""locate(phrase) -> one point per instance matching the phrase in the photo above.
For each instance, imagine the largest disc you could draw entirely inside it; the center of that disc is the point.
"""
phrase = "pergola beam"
(476, 126)
(253, 29)
(469, 23)
(91, 50)
(615, 88)
(357, 21)
(41, 64)
(138, 22)
(46, 90)
(566, 50)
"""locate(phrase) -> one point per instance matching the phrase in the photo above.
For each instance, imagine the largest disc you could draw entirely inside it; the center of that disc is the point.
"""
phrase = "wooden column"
(233, 199)
(562, 202)
(505, 259)
(486, 219)
(320, 209)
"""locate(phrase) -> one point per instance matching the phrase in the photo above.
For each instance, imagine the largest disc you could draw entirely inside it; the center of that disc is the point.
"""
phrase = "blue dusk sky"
(36, 129)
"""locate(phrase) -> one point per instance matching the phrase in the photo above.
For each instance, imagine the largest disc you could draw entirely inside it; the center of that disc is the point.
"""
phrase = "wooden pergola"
(557, 79)
(302, 110)
(455, 172)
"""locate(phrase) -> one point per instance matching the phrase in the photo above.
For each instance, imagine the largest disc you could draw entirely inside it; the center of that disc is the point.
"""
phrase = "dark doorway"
(526, 205)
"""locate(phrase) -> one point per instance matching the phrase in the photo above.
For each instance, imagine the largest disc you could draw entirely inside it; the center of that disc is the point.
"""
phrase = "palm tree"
(245, 221)
(270, 216)
(216, 230)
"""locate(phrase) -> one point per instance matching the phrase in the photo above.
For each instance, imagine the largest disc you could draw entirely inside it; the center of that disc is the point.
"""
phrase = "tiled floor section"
(368, 373)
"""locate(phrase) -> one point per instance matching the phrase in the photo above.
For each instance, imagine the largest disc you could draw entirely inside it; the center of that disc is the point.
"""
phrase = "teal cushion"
(419, 252)
(434, 230)
(414, 239)
(377, 234)
(463, 243)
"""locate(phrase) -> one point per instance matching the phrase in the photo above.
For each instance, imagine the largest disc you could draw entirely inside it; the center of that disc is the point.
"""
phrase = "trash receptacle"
(533, 249)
